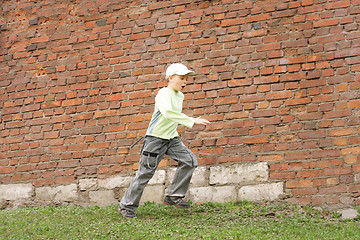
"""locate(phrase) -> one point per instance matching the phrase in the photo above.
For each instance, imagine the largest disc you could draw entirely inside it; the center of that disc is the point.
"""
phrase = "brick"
(354, 104)
(71, 102)
(273, 157)
(7, 170)
(116, 97)
(333, 190)
(304, 191)
(292, 60)
(252, 98)
(326, 154)
(282, 175)
(139, 36)
(226, 100)
(300, 101)
(65, 48)
(293, 77)
(351, 151)
(263, 113)
(341, 132)
(19, 55)
(192, 14)
(40, 39)
(69, 164)
(158, 5)
(184, 29)
(310, 174)
(64, 180)
(258, 18)
(255, 140)
(206, 41)
(278, 95)
(312, 83)
(309, 116)
(91, 130)
(268, 47)
(297, 155)
(312, 134)
(337, 114)
(347, 53)
(266, 80)
(107, 113)
(232, 22)
(338, 4)
(326, 23)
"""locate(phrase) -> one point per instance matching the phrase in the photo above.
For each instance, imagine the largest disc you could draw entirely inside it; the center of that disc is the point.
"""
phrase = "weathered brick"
(158, 5)
(297, 155)
(226, 100)
(310, 174)
(338, 4)
(304, 191)
(326, 23)
(257, 18)
(64, 180)
(273, 157)
(71, 102)
(337, 114)
(232, 22)
(282, 175)
(341, 132)
(309, 116)
(263, 113)
(255, 140)
(40, 39)
(252, 98)
(266, 80)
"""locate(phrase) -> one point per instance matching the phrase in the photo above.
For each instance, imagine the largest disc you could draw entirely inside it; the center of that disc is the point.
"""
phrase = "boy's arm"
(201, 121)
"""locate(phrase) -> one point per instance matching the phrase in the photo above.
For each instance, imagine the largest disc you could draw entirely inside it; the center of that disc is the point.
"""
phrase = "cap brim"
(188, 73)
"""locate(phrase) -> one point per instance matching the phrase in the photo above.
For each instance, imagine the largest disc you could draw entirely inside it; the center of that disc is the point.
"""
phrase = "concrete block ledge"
(16, 191)
(235, 182)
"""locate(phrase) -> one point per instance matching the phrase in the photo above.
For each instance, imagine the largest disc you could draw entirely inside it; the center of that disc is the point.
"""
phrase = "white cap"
(178, 69)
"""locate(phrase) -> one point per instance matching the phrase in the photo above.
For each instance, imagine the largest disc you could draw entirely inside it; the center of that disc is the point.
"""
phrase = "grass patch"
(240, 220)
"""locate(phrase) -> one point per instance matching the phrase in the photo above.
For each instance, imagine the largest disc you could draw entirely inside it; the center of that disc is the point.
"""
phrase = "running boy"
(162, 138)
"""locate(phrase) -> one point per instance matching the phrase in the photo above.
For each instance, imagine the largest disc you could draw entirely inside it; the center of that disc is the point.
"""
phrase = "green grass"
(241, 220)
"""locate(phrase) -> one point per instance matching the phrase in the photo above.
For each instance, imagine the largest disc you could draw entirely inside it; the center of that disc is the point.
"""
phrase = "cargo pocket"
(150, 153)
(149, 159)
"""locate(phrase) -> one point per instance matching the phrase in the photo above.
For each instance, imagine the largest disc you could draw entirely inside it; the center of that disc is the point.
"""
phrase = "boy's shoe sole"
(176, 201)
(126, 213)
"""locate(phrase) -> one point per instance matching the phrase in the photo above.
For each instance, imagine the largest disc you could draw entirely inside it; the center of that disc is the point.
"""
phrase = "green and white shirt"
(167, 115)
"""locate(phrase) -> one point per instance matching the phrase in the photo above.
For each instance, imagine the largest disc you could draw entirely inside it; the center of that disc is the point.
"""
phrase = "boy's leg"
(186, 165)
(180, 183)
(151, 154)
(132, 197)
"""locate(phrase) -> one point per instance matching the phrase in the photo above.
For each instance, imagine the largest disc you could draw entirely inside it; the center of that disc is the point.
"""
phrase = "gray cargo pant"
(152, 152)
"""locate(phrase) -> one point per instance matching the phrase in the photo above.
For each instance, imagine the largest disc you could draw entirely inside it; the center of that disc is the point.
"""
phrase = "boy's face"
(177, 82)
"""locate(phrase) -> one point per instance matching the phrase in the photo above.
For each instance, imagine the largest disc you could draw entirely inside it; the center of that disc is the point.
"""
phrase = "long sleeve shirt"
(167, 115)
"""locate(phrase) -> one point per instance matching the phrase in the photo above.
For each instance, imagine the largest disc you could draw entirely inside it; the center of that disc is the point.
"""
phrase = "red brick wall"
(279, 80)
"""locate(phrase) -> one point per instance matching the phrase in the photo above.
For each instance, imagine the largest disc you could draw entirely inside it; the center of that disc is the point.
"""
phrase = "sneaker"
(176, 201)
(127, 213)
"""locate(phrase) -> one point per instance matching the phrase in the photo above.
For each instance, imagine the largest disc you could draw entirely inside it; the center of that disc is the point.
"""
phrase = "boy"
(162, 138)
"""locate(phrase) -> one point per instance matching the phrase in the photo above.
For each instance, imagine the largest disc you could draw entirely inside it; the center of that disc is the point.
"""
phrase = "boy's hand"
(201, 121)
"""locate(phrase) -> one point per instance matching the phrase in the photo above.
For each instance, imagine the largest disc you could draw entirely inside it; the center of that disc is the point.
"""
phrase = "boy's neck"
(172, 89)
